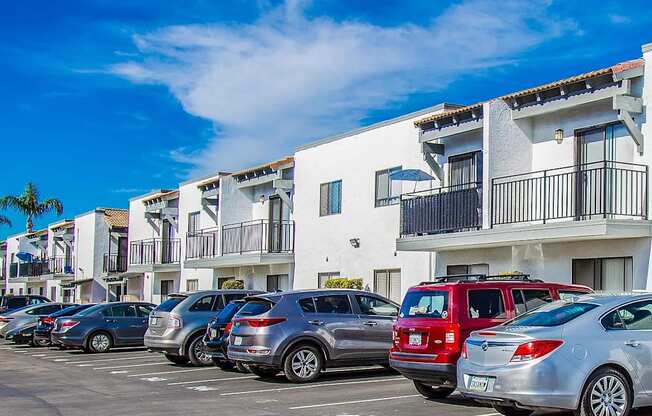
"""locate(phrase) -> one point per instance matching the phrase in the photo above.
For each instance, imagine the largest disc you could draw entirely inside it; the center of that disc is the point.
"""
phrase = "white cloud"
(287, 79)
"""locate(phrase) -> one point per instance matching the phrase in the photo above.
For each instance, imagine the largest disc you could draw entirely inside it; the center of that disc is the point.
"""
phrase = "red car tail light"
(535, 349)
(48, 320)
(465, 351)
(227, 329)
(260, 322)
(66, 325)
(452, 338)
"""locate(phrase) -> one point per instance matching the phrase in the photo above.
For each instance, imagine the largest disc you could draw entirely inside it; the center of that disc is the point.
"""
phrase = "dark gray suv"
(177, 326)
(303, 332)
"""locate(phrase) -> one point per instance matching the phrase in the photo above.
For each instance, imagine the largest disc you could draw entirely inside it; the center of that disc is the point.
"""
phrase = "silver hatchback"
(303, 332)
(591, 354)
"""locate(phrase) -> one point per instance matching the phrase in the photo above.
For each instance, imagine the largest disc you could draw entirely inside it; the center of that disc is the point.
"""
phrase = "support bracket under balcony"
(428, 150)
(626, 105)
(283, 187)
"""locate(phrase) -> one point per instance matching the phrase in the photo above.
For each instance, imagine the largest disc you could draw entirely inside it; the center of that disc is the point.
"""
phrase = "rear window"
(528, 299)
(256, 307)
(569, 294)
(553, 314)
(169, 304)
(69, 311)
(432, 304)
(14, 303)
(229, 311)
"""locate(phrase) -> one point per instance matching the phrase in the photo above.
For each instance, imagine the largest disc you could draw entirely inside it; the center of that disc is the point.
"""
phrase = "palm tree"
(28, 204)
(4, 220)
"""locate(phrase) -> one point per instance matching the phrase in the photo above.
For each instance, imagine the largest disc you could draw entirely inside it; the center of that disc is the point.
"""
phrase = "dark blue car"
(45, 324)
(103, 326)
(216, 339)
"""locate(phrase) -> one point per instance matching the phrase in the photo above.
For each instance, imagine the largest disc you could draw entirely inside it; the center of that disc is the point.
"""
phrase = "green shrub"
(233, 284)
(344, 283)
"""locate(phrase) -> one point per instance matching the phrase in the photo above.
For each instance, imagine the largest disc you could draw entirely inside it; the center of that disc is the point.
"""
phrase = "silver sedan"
(590, 354)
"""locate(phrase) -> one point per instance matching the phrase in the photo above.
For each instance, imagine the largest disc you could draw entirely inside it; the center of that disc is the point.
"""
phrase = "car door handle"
(316, 322)
(370, 323)
(633, 344)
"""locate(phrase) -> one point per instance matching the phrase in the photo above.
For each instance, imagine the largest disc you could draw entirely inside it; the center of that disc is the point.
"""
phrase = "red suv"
(437, 317)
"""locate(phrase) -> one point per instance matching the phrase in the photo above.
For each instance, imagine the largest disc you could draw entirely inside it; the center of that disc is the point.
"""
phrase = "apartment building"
(154, 268)
(28, 266)
(61, 260)
(3, 267)
(551, 181)
(347, 206)
(240, 226)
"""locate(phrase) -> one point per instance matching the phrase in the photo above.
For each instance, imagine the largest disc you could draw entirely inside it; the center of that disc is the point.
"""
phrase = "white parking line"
(127, 366)
(61, 360)
(119, 372)
(380, 399)
(179, 383)
(113, 359)
(170, 372)
(314, 386)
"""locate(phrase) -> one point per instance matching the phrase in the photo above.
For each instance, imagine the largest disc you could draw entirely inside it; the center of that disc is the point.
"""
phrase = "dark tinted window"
(15, 303)
(170, 303)
(528, 299)
(634, 317)
(553, 314)
(370, 305)
(333, 304)
(230, 297)
(431, 304)
(256, 307)
(70, 310)
(229, 311)
(44, 310)
(486, 304)
(36, 301)
(204, 304)
(143, 310)
(120, 311)
(307, 305)
(519, 302)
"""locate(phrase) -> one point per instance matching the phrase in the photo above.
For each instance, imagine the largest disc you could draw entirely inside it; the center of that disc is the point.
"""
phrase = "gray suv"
(177, 325)
(303, 332)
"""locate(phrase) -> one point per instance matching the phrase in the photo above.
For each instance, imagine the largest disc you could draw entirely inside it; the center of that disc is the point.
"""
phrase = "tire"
(99, 342)
(196, 353)
(176, 359)
(303, 364)
(263, 372)
(40, 343)
(617, 389)
(226, 365)
(512, 411)
(430, 392)
(243, 368)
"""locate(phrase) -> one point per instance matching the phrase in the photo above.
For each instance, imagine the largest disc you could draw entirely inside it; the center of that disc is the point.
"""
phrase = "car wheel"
(607, 392)
(242, 367)
(100, 342)
(176, 359)
(263, 372)
(303, 364)
(197, 353)
(512, 411)
(430, 392)
(41, 343)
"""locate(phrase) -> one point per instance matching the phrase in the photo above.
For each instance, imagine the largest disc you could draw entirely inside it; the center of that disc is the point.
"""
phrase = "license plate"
(153, 321)
(479, 383)
(213, 333)
(237, 340)
(415, 339)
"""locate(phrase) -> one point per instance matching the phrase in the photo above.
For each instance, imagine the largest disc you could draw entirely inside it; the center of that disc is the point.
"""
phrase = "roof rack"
(463, 278)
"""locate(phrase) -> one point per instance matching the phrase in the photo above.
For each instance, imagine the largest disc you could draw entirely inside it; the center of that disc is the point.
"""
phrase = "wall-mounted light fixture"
(355, 242)
(261, 199)
(559, 136)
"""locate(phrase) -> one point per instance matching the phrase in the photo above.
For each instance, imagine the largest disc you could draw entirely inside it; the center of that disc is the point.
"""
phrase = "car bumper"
(435, 374)
(242, 354)
(158, 344)
(533, 385)
(61, 338)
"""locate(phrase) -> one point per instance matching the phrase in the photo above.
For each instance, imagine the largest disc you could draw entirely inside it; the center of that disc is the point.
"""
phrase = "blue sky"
(105, 100)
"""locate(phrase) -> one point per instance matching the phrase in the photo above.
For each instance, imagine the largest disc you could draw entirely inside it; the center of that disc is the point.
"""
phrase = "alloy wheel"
(200, 353)
(304, 363)
(100, 342)
(608, 397)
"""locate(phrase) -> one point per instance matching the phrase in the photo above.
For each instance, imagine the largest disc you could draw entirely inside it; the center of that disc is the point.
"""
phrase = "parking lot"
(134, 381)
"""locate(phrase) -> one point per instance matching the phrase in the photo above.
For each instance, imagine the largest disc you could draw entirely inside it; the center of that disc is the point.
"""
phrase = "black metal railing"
(155, 251)
(36, 267)
(62, 265)
(604, 189)
(114, 263)
(203, 243)
(258, 236)
(13, 270)
(442, 210)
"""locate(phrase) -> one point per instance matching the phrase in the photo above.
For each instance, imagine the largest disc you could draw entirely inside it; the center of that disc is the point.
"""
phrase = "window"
(277, 282)
(221, 280)
(307, 305)
(230, 297)
(44, 310)
(170, 303)
(53, 294)
(481, 268)
(431, 304)
(166, 288)
(322, 278)
(20, 291)
(193, 222)
(465, 169)
(120, 311)
(633, 317)
(486, 304)
(608, 274)
(330, 198)
(370, 305)
(333, 304)
(256, 307)
(204, 304)
(192, 285)
(552, 314)
(143, 310)
(29, 290)
(569, 294)
(388, 191)
(528, 299)
(388, 283)
(41, 291)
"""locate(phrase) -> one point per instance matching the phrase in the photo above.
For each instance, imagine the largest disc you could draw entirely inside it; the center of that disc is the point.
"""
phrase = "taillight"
(66, 325)
(396, 338)
(260, 322)
(174, 322)
(47, 320)
(465, 351)
(5, 319)
(535, 349)
(227, 329)
(452, 338)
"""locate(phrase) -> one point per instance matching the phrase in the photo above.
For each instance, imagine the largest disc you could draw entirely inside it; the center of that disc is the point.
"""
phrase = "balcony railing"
(259, 236)
(36, 267)
(13, 270)
(604, 189)
(442, 210)
(62, 265)
(155, 251)
(114, 263)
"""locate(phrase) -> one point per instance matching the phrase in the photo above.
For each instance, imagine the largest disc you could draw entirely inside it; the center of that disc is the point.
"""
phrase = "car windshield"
(552, 314)
(428, 304)
(169, 304)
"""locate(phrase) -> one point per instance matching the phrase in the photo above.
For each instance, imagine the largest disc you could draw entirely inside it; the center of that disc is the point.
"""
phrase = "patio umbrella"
(26, 257)
(413, 175)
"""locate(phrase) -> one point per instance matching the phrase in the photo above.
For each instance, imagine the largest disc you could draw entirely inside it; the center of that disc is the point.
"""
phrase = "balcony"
(62, 265)
(601, 200)
(37, 268)
(245, 243)
(114, 263)
(155, 254)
